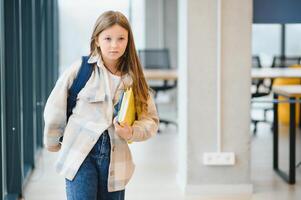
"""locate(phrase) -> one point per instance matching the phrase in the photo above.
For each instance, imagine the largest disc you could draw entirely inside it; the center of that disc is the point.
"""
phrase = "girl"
(94, 155)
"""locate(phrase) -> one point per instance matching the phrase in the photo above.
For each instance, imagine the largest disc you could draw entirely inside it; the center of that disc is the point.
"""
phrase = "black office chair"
(158, 59)
(285, 61)
(261, 88)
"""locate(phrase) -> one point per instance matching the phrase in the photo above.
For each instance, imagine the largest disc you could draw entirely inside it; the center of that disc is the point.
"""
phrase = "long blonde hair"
(129, 62)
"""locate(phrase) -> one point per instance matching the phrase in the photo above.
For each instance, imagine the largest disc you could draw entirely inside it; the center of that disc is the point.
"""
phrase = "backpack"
(79, 82)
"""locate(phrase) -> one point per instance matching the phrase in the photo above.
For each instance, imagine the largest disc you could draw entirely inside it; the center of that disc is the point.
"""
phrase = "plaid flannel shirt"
(92, 115)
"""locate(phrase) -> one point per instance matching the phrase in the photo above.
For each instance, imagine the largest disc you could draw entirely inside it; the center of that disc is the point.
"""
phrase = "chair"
(285, 61)
(158, 59)
(261, 88)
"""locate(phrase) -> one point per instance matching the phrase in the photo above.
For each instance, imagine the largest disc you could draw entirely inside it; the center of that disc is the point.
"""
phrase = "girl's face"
(112, 42)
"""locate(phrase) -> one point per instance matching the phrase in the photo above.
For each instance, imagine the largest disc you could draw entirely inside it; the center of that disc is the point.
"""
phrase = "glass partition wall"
(29, 68)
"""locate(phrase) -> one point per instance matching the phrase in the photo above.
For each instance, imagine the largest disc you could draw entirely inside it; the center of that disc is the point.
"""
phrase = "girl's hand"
(124, 131)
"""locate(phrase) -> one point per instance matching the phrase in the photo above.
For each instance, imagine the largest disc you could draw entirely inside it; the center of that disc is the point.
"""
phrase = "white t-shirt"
(114, 82)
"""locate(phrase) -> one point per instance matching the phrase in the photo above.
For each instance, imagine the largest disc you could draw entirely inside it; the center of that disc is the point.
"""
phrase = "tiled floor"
(156, 167)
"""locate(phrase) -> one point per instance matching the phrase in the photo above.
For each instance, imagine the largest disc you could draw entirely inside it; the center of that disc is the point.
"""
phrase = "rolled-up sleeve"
(147, 124)
(55, 109)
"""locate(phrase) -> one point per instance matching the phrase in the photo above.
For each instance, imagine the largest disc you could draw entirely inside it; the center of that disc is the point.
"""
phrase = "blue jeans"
(91, 180)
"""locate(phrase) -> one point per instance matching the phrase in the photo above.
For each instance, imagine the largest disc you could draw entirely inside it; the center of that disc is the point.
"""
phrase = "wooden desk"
(275, 73)
(160, 74)
(288, 90)
(172, 74)
(291, 92)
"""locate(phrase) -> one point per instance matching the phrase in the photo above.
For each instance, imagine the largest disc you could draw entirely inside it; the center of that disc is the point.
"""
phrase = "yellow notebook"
(127, 112)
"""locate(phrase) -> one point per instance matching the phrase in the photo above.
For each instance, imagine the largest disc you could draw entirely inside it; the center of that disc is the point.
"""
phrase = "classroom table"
(161, 74)
(273, 73)
(291, 92)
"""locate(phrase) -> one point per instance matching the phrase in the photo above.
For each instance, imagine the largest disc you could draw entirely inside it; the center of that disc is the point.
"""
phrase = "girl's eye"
(121, 38)
(108, 38)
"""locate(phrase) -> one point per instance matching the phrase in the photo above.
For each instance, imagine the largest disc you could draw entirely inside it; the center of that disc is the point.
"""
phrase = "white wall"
(76, 20)
(161, 21)
(154, 24)
(138, 22)
(171, 30)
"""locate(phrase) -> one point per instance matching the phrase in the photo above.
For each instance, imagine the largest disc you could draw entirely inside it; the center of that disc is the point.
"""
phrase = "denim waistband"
(102, 146)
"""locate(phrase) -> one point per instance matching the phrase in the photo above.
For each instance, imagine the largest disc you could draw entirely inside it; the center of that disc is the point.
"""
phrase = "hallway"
(156, 169)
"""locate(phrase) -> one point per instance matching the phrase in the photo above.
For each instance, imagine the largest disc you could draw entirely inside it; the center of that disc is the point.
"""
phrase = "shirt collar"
(95, 58)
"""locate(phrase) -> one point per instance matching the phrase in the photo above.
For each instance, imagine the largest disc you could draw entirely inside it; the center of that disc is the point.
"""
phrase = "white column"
(198, 125)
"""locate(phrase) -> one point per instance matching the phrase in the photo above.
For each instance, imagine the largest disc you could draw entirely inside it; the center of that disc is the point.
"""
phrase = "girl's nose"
(114, 43)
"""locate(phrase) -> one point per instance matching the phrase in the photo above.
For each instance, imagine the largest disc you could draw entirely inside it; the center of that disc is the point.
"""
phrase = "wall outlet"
(219, 158)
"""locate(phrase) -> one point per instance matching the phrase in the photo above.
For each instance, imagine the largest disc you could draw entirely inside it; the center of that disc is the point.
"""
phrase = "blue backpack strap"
(118, 105)
(79, 82)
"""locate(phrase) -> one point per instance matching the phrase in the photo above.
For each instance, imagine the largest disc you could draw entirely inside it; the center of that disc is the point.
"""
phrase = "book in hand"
(127, 112)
